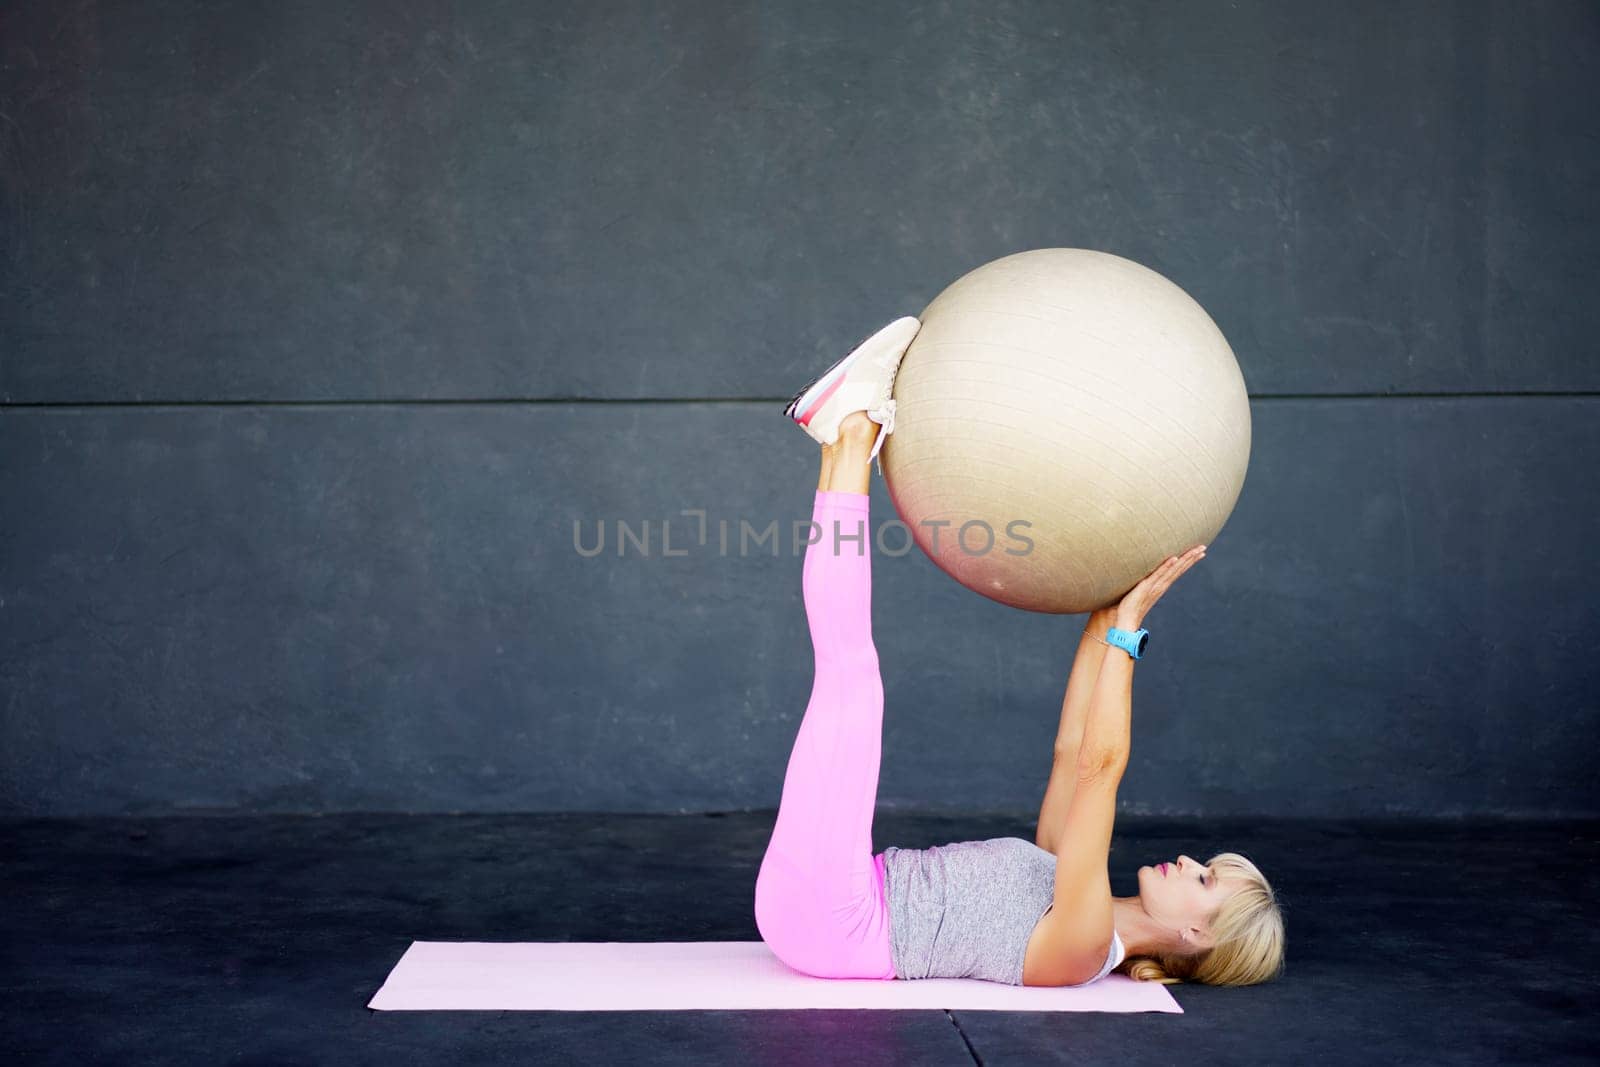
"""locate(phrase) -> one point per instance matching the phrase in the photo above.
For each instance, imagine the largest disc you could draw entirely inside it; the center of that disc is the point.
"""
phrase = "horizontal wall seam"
(527, 401)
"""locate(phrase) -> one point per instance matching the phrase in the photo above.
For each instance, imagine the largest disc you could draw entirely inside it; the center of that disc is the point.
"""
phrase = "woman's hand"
(1142, 597)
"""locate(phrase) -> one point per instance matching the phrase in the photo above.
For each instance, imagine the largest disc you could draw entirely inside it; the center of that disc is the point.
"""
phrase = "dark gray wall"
(321, 325)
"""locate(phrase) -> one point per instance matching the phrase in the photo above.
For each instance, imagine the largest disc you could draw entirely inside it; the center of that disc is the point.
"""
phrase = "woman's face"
(1182, 894)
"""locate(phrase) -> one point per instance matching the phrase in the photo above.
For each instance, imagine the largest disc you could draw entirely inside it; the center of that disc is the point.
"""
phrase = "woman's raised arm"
(1078, 923)
(1107, 734)
(1069, 735)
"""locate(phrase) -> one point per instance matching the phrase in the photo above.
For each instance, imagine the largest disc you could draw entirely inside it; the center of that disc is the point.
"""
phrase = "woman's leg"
(819, 901)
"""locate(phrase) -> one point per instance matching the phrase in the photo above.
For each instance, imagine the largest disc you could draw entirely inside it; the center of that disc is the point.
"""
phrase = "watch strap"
(1133, 642)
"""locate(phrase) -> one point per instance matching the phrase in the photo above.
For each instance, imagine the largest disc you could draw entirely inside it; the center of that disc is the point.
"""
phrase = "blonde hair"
(1248, 933)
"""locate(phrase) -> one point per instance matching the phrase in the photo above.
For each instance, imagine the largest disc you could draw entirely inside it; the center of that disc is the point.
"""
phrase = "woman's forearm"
(1080, 684)
(1063, 782)
(1108, 735)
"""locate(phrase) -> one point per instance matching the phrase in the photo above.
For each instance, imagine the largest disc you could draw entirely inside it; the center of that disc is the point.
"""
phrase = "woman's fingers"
(1178, 572)
(1144, 595)
(1147, 592)
(1187, 560)
(1182, 563)
(1173, 566)
(1161, 571)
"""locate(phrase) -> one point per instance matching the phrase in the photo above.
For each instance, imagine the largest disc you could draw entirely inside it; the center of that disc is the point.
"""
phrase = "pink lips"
(1163, 870)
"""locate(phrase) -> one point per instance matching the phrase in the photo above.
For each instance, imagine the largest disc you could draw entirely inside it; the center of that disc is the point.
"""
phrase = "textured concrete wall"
(321, 326)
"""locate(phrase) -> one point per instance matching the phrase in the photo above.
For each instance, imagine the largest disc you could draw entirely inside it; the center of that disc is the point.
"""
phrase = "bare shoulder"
(1069, 946)
(1070, 942)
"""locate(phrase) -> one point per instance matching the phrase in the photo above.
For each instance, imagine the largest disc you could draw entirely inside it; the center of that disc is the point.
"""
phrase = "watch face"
(1144, 639)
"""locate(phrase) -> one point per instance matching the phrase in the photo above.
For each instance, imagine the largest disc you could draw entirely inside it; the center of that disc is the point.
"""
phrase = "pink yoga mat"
(691, 975)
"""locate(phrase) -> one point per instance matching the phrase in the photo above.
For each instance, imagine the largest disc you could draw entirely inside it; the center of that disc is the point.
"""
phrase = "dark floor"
(260, 940)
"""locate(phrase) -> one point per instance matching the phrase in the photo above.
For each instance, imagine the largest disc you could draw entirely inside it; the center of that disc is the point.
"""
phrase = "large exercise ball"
(1065, 420)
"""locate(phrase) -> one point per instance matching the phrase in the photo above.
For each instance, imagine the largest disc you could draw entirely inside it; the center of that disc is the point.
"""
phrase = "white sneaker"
(861, 381)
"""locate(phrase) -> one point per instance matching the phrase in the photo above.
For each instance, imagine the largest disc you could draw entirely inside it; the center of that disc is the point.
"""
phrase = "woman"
(1004, 909)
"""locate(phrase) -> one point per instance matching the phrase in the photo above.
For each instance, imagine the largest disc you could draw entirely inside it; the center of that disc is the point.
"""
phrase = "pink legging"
(820, 903)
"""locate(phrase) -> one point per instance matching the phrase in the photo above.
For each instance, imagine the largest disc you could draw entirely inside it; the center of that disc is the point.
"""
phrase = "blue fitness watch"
(1133, 643)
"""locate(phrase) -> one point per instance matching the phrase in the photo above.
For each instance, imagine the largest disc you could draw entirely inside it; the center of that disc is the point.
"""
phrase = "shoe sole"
(808, 401)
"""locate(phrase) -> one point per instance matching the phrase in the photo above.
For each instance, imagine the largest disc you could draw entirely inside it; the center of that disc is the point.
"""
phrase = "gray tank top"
(966, 910)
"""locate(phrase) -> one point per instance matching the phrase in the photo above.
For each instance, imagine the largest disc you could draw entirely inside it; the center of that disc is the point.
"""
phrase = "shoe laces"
(886, 427)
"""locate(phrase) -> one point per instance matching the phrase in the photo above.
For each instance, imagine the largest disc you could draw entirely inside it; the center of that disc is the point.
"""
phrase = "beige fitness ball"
(1065, 420)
